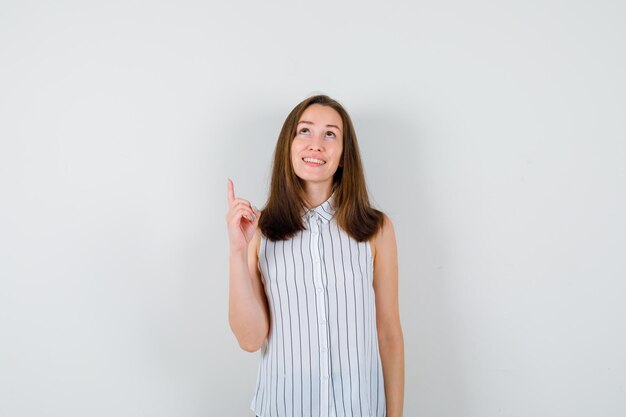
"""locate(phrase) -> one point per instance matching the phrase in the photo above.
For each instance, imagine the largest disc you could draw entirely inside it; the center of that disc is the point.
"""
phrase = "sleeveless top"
(321, 356)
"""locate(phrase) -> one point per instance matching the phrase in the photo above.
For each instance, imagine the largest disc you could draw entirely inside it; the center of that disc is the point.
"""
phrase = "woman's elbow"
(250, 346)
(252, 340)
(391, 335)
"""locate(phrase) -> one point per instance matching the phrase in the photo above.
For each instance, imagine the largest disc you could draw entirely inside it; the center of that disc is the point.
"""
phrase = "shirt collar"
(324, 211)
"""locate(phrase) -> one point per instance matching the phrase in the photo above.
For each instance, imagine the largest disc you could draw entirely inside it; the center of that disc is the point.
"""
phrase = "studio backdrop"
(492, 133)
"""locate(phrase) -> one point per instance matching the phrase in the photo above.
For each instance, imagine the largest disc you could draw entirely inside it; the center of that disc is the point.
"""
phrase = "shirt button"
(323, 322)
(317, 260)
(319, 289)
(325, 377)
(314, 232)
(324, 349)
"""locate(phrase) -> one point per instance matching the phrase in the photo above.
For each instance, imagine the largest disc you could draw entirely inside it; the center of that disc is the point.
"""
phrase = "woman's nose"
(316, 143)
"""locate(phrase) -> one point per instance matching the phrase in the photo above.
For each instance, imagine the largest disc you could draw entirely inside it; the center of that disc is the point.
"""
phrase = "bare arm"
(247, 304)
(390, 337)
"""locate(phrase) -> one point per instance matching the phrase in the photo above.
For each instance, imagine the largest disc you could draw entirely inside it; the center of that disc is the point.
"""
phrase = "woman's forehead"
(321, 115)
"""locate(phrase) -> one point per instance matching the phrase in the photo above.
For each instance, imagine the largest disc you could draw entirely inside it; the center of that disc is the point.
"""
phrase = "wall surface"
(492, 133)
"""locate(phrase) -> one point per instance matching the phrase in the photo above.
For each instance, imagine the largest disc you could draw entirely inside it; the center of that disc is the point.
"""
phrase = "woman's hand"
(242, 220)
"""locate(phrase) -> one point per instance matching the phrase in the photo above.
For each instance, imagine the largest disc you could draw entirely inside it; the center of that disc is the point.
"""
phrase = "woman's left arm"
(390, 338)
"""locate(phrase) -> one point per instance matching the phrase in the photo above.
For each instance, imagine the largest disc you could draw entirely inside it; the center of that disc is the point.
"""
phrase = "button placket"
(316, 224)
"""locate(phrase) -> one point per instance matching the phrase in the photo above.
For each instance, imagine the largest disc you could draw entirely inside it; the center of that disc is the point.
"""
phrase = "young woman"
(314, 278)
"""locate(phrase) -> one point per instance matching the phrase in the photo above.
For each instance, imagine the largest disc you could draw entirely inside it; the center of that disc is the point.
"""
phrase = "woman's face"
(319, 135)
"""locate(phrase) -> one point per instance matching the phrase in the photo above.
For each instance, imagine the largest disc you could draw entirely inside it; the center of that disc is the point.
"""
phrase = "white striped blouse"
(321, 356)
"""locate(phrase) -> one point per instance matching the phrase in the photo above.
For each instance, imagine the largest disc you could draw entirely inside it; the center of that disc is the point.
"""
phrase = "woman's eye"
(305, 130)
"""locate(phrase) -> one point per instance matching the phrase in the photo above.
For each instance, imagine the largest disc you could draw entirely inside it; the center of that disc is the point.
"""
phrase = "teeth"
(315, 161)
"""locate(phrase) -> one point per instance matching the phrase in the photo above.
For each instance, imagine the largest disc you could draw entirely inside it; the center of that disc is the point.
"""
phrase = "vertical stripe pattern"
(321, 356)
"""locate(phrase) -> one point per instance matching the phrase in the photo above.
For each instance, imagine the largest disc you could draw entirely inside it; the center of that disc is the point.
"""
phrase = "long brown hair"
(281, 217)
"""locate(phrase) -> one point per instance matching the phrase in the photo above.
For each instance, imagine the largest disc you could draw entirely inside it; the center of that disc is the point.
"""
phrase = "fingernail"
(255, 208)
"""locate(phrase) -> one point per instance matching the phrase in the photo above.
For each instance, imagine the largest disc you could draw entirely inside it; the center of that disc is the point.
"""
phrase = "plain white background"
(493, 134)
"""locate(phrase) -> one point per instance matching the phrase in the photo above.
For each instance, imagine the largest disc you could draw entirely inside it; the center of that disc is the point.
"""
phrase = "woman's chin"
(313, 178)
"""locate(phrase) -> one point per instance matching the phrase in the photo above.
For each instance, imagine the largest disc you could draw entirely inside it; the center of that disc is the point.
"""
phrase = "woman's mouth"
(313, 162)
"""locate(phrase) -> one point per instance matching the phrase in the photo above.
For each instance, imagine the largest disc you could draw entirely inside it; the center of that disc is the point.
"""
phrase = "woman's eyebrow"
(310, 123)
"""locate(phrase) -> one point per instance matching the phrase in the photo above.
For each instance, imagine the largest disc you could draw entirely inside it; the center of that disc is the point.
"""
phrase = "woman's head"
(294, 143)
(317, 147)
(330, 137)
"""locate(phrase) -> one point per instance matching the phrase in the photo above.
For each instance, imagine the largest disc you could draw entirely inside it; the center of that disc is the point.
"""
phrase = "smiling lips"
(313, 161)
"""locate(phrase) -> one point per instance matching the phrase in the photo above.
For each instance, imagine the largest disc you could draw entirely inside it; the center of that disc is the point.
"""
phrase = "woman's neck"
(317, 195)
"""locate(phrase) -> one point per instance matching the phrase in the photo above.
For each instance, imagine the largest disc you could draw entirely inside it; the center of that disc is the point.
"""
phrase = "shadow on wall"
(398, 157)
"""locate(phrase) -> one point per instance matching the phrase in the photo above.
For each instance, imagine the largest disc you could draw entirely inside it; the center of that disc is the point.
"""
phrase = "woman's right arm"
(247, 305)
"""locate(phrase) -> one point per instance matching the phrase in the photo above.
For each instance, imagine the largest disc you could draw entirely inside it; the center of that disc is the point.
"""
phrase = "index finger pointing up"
(231, 191)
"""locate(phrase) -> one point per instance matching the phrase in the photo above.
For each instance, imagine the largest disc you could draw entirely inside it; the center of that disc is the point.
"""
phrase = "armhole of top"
(371, 245)
(370, 251)
(258, 260)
